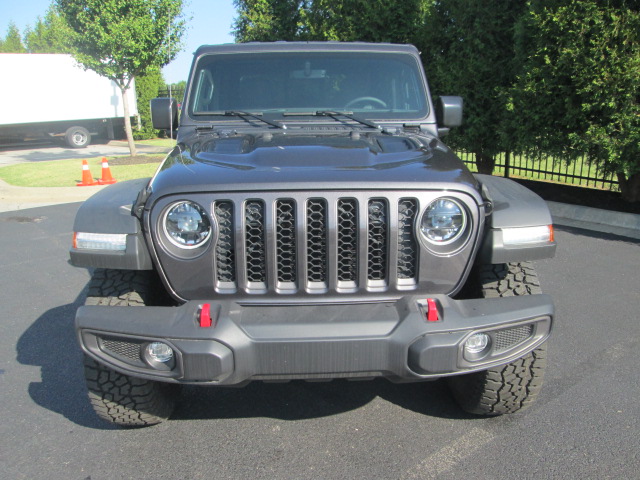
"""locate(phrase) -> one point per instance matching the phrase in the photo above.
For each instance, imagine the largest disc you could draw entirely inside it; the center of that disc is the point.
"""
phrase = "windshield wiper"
(243, 115)
(349, 115)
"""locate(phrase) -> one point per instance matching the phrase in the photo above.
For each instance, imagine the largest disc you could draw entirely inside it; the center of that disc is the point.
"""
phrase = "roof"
(254, 47)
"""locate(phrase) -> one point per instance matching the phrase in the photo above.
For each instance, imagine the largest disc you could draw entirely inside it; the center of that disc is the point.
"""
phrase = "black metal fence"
(177, 93)
(580, 172)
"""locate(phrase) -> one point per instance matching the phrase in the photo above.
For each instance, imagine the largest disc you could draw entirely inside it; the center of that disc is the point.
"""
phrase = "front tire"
(514, 386)
(115, 397)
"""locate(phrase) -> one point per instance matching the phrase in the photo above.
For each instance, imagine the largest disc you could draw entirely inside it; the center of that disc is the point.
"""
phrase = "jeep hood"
(294, 161)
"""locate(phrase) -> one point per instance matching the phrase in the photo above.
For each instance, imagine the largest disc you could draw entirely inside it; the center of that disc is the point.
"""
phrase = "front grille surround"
(306, 243)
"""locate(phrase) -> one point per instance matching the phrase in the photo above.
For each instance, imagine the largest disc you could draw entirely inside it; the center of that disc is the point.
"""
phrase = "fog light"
(160, 352)
(476, 343)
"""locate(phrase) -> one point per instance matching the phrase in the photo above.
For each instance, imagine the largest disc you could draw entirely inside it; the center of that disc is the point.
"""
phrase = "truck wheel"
(514, 386)
(118, 398)
(77, 137)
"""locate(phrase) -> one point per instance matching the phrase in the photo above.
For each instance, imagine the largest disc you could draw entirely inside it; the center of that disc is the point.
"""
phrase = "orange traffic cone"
(87, 179)
(106, 179)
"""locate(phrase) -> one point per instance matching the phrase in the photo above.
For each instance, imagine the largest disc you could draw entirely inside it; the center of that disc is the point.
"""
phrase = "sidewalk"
(21, 198)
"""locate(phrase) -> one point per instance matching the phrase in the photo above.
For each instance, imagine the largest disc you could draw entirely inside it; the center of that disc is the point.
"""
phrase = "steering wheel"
(366, 99)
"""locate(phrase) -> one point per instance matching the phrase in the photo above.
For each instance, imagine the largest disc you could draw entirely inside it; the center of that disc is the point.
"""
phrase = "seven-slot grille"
(315, 243)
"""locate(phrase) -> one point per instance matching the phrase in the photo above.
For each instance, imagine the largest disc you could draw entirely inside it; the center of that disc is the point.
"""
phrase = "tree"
(468, 49)
(147, 88)
(50, 35)
(123, 39)
(580, 93)
(339, 20)
(267, 20)
(12, 42)
(363, 20)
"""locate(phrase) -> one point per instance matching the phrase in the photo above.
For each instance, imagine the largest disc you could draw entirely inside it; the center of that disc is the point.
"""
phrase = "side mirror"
(164, 113)
(449, 113)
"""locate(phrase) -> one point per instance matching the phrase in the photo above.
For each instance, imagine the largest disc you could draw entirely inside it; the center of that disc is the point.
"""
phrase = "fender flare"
(110, 211)
(513, 206)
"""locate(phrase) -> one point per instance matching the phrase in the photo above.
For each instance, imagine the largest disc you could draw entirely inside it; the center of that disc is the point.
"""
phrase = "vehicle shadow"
(300, 400)
(50, 344)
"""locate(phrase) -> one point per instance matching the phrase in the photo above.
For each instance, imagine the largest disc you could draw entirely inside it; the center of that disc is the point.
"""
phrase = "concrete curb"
(596, 219)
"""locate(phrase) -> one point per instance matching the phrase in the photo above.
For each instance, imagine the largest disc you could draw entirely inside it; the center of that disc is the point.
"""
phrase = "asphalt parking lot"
(585, 424)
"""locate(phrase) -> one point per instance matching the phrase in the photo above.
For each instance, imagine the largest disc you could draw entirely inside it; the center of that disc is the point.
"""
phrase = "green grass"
(66, 173)
(548, 171)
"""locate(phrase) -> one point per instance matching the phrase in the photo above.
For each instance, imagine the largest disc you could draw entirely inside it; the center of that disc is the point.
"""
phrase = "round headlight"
(187, 225)
(443, 221)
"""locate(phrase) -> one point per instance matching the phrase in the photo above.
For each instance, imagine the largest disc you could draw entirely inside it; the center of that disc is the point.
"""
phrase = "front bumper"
(266, 342)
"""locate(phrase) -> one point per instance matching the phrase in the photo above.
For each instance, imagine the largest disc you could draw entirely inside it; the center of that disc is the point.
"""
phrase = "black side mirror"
(164, 113)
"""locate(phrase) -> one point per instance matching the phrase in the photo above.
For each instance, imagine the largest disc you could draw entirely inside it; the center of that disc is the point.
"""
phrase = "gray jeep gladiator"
(310, 224)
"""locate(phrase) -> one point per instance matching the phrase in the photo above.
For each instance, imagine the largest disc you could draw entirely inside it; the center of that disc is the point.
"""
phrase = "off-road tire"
(118, 398)
(514, 386)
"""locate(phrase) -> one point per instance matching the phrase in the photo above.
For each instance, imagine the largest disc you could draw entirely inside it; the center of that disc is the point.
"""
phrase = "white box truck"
(50, 95)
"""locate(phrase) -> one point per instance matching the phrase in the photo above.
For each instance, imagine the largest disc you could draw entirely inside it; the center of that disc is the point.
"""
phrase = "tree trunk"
(485, 163)
(629, 187)
(127, 122)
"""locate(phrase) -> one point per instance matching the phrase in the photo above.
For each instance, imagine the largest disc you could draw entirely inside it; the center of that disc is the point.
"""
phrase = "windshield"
(372, 85)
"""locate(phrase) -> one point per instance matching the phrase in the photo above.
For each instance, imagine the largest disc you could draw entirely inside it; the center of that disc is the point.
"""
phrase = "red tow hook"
(205, 316)
(432, 310)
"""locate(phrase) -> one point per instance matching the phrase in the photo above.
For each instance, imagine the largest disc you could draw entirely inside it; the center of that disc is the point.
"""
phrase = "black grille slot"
(377, 239)
(317, 240)
(286, 241)
(225, 251)
(347, 240)
(121, 348)
(511, 337)
(255, 241)
(407, 246)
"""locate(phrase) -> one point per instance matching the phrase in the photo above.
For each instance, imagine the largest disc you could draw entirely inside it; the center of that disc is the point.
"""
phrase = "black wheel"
(118, 398)
(77, 137)
(514, 386)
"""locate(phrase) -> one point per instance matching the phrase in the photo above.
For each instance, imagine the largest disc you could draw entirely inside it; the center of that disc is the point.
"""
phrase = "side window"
(204, 92)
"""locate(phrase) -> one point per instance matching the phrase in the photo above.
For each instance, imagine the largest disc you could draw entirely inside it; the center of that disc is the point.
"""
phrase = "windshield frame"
(407, 55)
